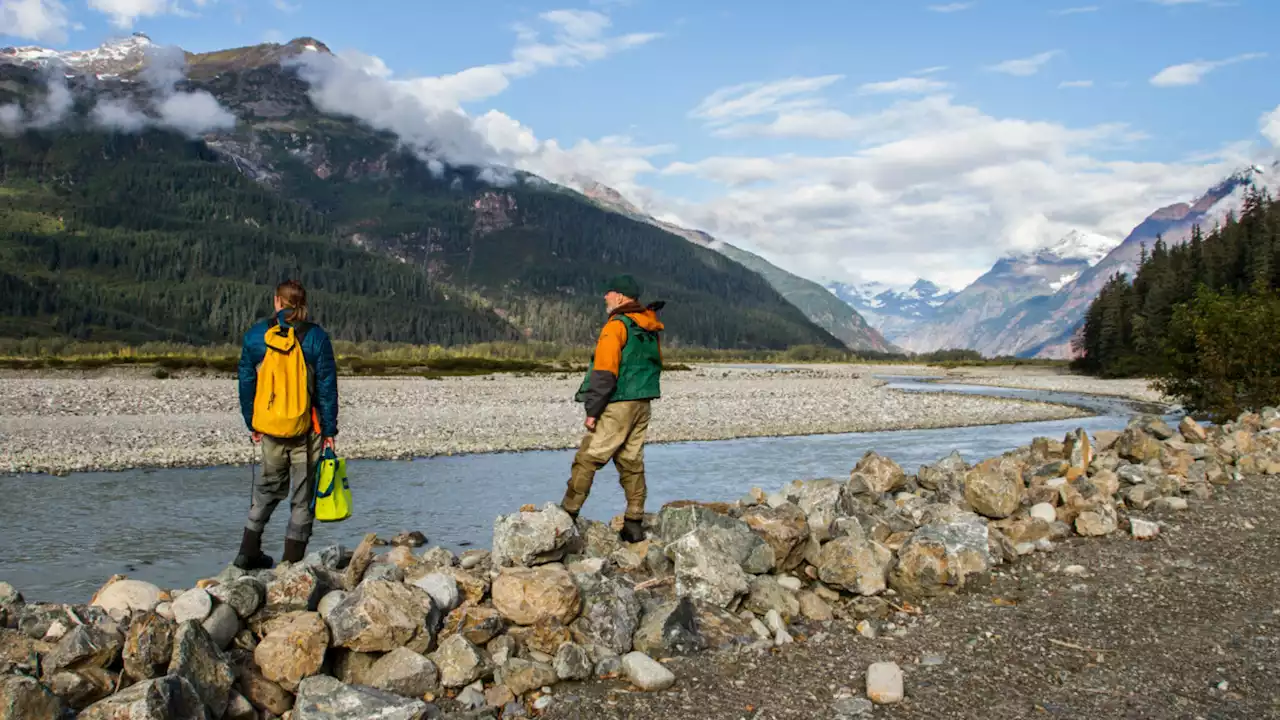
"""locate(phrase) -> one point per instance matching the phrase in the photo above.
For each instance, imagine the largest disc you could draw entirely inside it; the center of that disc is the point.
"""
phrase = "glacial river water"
(63, 536)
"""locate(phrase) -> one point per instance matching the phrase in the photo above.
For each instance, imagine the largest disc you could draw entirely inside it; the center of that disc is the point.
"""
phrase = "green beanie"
(623, 284)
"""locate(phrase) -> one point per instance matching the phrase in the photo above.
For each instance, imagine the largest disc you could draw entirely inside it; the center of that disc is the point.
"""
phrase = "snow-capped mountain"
(892, 311)
(111, 59)
(972, 318)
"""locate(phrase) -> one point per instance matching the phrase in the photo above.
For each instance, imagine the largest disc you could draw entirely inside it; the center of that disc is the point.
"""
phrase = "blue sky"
(853, 140)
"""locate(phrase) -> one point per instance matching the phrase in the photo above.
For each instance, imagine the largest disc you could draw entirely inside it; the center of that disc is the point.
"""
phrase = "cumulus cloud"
(192, 113)
(1027, 66)
(427, 112)
(50, 110)
(1193, 72)
(123, 13)
(1270, 125)
(38, 20)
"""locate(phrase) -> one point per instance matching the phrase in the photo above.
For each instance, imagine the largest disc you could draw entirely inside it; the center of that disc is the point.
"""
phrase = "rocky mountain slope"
(829, 313)
(892, 312)
(160, 199)
(978, 317)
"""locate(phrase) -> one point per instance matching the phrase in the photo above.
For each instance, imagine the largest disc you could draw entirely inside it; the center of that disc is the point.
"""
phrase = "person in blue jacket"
(283, 457)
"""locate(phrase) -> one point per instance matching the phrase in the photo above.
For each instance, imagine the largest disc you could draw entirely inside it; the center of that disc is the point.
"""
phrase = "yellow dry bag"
(332, 499)
(282, 402)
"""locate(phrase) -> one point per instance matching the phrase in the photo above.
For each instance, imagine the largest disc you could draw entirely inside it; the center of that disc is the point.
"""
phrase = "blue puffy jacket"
(317, 351)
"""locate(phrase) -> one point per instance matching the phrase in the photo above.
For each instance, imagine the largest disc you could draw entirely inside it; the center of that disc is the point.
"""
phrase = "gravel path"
(1183, 627)
(118, 419)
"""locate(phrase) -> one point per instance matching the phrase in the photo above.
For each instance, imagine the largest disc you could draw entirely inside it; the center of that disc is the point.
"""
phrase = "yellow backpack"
(282, 402)
(331, 501)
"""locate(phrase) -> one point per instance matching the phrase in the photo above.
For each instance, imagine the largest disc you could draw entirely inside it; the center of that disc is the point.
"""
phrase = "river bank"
(118, 419)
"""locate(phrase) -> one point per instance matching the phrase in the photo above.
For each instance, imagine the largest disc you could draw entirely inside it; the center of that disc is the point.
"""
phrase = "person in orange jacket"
(624, 377)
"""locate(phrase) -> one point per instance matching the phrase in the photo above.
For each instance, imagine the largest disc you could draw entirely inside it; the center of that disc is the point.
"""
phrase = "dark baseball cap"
(623, 284)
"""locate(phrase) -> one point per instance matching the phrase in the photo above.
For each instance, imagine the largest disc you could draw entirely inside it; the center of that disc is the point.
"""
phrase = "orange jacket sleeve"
(608, 357)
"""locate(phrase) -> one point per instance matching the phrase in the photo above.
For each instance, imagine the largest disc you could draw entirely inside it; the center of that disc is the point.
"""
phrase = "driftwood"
(360, 562)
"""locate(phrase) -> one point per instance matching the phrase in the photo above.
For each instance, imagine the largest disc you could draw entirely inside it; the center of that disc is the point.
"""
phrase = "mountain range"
(1032, 304)
(149, 193)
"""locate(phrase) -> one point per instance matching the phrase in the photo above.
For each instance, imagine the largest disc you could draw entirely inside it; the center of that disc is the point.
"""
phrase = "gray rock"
(1153, 425)
(148, 647)
(572, 662)
(381, 616)
(820, 501)
(460, 663)
(404, 672)
(610, 613)
(656, 560)
(471, 697)
(245, 596)
(994, 488)
(384, 571)
(222, 625)
(442, 588)
(82, 647)
(761, 630)
(876, 475)
(520, 676)
(438, 558)
(685, 626)
(943, 558)
(473, 559)
(194, 604)
(294, 588)
(321, 697)
(1143, 529)
(198, 660)
(239, 708)
(8, 595)
(168, 698)
(728, 535)
(855, 564)
(846, 708)
(331, 600)
(24, 697)
(704, 567)
(646, 673)
(81, 688)
(767, 594)
(532, 538)
(884, 683)
(608, 666)
(595, 539)
(1098, 521)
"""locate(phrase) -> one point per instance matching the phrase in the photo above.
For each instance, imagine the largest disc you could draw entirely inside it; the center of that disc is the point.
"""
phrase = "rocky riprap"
(404, 634)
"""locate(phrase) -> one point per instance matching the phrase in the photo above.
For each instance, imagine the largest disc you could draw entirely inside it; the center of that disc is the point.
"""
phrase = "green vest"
(641, 368)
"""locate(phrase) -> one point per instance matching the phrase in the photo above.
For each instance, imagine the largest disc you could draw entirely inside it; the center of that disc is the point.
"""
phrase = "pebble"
(782, 637)
(1044, 511)
(1075, 570)
(472, 697)
(852, 707)
(790, 582)
(760, 629)
(542, 703)
(884, 683)
(773, 620)
(646, 673)
(866, 629)
(932, 660)
(1143, 529)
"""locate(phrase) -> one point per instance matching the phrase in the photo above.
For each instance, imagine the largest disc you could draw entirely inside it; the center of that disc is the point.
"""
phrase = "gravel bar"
(124, 418)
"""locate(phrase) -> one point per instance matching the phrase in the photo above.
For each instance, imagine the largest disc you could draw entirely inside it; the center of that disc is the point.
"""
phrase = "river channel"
(64, 536)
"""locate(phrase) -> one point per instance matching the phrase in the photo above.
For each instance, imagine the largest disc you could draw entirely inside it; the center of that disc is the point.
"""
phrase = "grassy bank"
(433, 360)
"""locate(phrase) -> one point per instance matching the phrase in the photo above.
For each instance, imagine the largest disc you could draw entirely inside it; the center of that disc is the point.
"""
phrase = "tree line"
(1201, 318)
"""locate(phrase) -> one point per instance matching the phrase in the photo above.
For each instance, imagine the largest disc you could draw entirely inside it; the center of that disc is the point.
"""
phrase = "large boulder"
(21, 654)
(942, 558)
(148, 647)
(298, 587)
(293, 649)
(730, 535)
(380, 616)
(532, 538)
(545, 637)
(171, 697)
(1192, 431)
(686, 626)
(24, 698)
(81, 688)
(324, 698)
(876, 475)
(1136, 446)
(785, 528)
(856, 564)
(994, 488)
(572, 662)
(945, 476)
(123, 596)
(820, 501)
(262, 693)
(1100, 519)
(460, 662)
(1153, 425)
(527, 596)
(404, 672)
(443, 589)
(705, 569)
(610, 613)
(198, 660)
(84, 646)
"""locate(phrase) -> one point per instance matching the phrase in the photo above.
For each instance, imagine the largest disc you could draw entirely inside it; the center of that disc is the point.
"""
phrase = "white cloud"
(285, 6)
(1076, 10)
(124, 13)
(38, 20)
(738, 102)
(1193, 72)
(1076, 84)
(48, 111)
(1023, 67)
(904, 86)
(1270, 125)
(192, 113)
(952, 7)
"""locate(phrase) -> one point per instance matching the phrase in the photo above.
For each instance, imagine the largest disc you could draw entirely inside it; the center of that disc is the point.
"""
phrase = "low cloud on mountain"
(50, 110)
(192, 113)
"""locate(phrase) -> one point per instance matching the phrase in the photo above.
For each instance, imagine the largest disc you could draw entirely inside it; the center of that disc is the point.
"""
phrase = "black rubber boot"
(632, 531)
(294, 550)
(251, 556)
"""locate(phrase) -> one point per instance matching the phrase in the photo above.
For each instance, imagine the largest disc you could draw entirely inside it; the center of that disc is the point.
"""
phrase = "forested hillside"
(1203, 318)
(148, 235)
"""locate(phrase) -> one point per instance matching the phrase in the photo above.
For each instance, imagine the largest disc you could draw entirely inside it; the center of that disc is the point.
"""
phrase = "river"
(65, 535)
